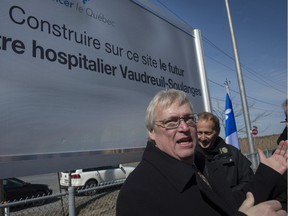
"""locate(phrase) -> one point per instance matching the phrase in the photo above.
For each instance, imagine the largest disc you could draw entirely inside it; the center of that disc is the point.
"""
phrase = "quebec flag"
(231, 136)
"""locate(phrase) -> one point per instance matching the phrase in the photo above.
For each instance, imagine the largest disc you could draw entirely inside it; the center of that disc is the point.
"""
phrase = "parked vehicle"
(91, 177)
(15, 189)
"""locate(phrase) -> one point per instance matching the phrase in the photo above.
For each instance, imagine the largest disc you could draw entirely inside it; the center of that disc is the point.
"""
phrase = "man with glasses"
(235, 164)
(171, 180)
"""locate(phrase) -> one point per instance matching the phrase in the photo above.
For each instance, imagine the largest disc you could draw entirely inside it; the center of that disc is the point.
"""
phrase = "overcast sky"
(260, 28)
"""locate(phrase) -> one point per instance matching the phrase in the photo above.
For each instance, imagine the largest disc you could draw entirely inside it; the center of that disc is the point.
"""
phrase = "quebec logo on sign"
(83, 8)
(85, 1)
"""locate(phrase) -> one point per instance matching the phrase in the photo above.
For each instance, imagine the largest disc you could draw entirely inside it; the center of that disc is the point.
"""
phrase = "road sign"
(254, 131)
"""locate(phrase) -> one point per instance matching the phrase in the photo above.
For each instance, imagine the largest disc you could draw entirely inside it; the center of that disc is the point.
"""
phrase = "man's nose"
(183, 125)
(201, 136)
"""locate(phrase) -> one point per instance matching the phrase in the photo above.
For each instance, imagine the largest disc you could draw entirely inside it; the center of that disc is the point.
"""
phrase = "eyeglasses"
(174, 121)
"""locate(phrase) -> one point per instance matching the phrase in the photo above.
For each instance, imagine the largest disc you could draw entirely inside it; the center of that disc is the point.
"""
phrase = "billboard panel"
(77, 76)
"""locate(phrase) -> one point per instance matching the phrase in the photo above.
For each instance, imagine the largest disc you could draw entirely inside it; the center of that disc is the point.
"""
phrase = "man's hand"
(278, 161)
(268, 208)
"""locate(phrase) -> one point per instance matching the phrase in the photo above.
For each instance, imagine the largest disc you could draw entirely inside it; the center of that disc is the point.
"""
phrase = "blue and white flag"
(231, 136)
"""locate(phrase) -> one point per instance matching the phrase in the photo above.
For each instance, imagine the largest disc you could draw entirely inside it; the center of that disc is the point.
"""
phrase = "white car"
(91, 177)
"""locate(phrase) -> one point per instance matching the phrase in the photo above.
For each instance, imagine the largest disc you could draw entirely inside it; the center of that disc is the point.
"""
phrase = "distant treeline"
(262, 142)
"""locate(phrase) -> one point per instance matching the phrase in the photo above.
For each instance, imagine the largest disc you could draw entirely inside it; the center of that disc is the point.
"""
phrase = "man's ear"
(151, 135)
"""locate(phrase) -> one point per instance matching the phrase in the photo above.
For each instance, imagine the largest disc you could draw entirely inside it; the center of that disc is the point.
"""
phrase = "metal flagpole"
(242, 91)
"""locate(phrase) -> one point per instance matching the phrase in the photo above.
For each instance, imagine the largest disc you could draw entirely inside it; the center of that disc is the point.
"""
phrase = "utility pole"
(242, 91)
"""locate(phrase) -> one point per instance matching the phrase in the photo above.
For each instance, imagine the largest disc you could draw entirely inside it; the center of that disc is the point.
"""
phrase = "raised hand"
(279, 160)
(268, 208)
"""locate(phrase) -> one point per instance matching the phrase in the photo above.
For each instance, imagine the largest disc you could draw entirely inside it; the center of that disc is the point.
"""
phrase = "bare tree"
(219, 111)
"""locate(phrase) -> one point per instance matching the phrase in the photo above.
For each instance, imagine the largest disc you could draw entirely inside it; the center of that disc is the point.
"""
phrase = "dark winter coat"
(283, 136)
(162, 186)
(236, 166)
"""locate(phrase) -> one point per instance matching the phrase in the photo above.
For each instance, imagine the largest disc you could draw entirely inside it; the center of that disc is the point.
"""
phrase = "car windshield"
(94, 169)
(71, 171)
(13, 182)
(100, 168)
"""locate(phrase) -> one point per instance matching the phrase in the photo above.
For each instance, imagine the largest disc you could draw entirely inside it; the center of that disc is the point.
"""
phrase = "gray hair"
(164, 99)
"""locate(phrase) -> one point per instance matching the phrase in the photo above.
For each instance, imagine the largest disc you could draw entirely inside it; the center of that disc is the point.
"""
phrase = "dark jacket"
(283, 136)
(283, 197)
(236, 166)
(162, 186)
